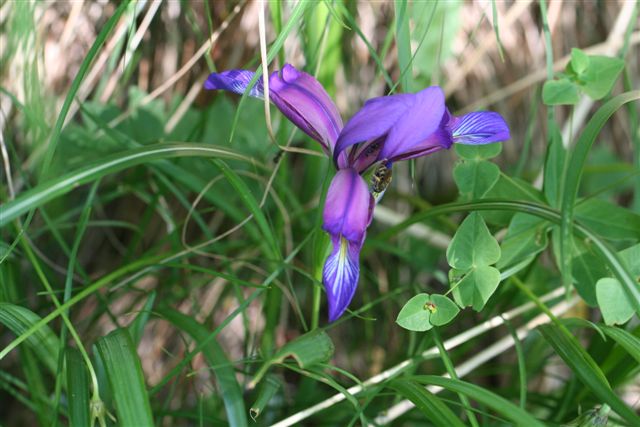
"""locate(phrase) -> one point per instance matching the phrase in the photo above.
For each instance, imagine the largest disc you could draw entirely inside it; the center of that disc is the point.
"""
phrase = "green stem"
(451, 370)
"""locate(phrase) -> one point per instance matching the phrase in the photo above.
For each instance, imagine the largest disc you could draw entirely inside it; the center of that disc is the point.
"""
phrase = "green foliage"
(309, 349)
(471, 253)
(592, 74)
(122, 366)
(165, 214)
(77, 388)
(424, 311)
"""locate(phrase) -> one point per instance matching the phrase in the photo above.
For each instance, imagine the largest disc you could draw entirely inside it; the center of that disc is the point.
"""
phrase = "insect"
(380, 180)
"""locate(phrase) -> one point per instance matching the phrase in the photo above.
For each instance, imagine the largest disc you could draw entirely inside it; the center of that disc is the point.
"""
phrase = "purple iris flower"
(385, 130)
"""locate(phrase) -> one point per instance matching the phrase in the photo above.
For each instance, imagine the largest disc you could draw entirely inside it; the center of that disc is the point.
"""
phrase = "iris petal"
(234, 81)
(403, 120)
(340, 275)
(347, 208)
(347, 214)
(481, 127)
(298, 95)
(303, 100)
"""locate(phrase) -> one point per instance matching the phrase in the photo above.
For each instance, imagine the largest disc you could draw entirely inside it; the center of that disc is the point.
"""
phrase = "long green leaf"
(571, 182)
(499, 404)
(222, 368)
(586, 369)
(77, 388)
(123, 369)
(250, 201)
(428, 403)
(43, 342)
(625, 339)
(75, 85)
(51, 189)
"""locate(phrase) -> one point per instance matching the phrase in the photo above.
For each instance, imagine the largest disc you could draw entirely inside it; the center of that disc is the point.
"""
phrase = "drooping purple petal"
(340, 275)
(347, 208)
(346, 216)
(235, 81)
(404, 120)
(303, 100)
(481, 127)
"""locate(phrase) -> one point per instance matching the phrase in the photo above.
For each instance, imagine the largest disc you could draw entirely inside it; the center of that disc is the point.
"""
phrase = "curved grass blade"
(250, 201)
(43, 342)
(586, 369)
(45, 192)
(223, 369)
(75, 85)
(428, 403)
(124, 372)
(571, 181)
(625, 339)
(77, 388)
(502, 406)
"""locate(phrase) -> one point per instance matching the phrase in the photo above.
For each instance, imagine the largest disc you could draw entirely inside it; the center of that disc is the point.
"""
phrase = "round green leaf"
(613, 301)
(560, 92)
(579, 60)
(443, 310)
(478, 152)
(475, 178)
(415, 314)
(473, 245)
(476, 287)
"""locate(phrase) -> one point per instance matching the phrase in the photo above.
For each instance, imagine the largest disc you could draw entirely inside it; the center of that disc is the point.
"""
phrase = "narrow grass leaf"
(625, 339)
(571, 182)
(136, 328)
(429, 404)
(124, 372)
(43, 342)
(77, 388)
(499, 404)
(586, 369)
(249, 200)
(403, 41)
(222, 368)
(75, 85)
(53, 188)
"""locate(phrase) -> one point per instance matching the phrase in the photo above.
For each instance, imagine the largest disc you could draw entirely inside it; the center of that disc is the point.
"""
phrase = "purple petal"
(347, 214)
(440, 139)
(340, 275)
(234, 81)
(405, 120)
(303, 100)
(347, 209)
(481, 127)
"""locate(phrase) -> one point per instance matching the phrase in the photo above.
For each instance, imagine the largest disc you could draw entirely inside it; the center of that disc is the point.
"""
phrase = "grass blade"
(586, 369)
(502, 406)
(43, 342)
(625, 339)
(123, 369)
(84, 68)
(229, 388)
(53, 188)
(436, 411)
(77, 388)
(571, 182)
